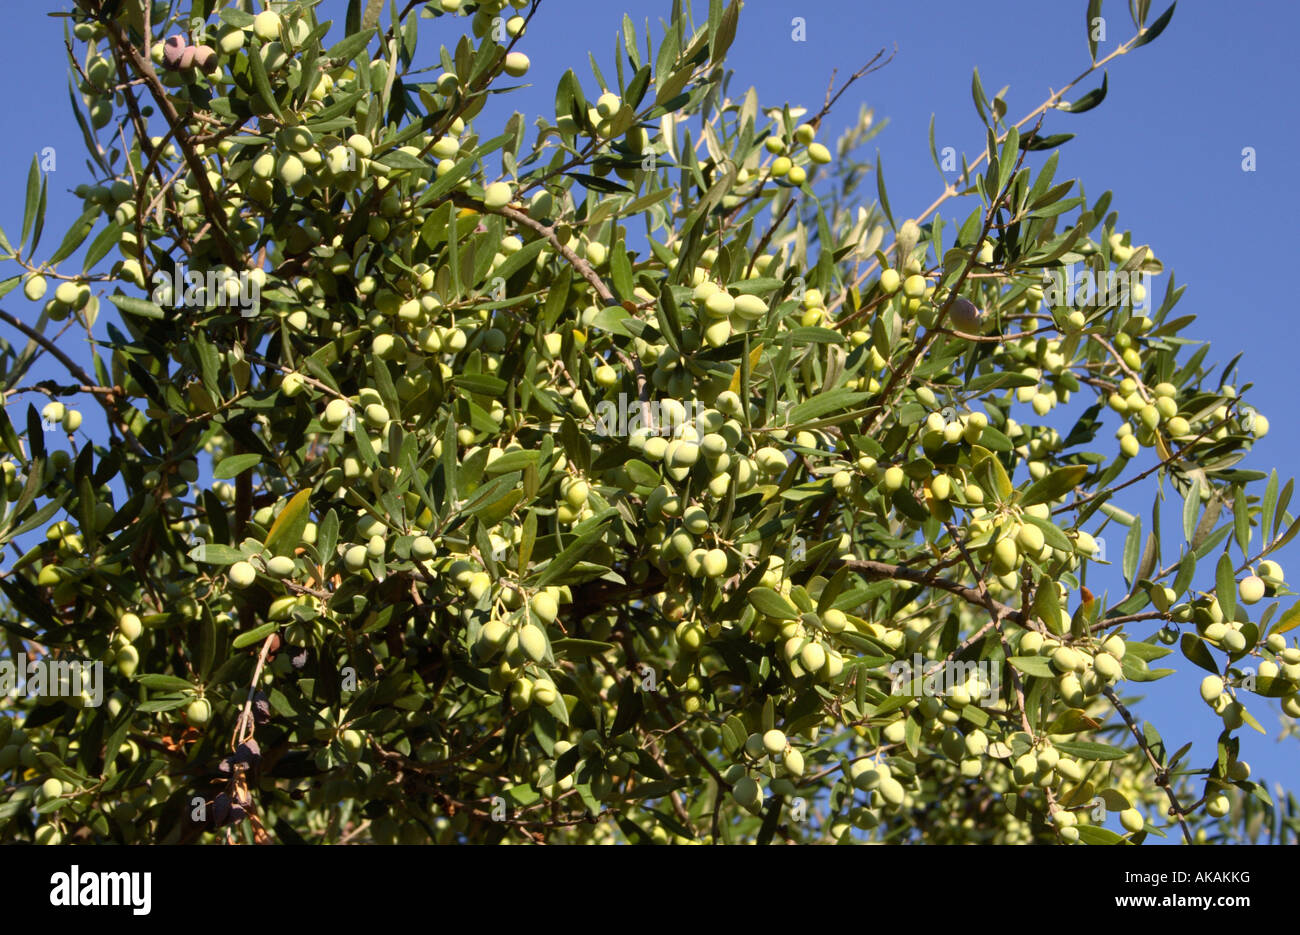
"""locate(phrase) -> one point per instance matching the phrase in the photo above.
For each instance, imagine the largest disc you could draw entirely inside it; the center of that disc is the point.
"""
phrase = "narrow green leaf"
(1241, 519)
(257, 69)
(880, 191)
(132, 305)
(1267, 518)
(1094, 12)
(1155, 29)
(1132, 542)
(1225, 587)
(234, 465)
(772, 603)
(1055, 484)
(1191, 510)
(33, 199)
(1195, 651)
(1089, 100)
(1087, 750)
(254, 636)
(345, 50)
(286, 532)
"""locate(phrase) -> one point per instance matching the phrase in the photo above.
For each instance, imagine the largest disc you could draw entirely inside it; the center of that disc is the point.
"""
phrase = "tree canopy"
(629, 473)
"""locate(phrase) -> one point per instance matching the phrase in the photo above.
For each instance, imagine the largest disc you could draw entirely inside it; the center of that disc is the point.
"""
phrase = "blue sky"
(1168, 142)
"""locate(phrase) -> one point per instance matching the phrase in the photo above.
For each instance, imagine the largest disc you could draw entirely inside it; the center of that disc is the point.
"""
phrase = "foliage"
(600, 487)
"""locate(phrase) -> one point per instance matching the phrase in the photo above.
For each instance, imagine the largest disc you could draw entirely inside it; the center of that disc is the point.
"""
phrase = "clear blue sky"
(1168, 142)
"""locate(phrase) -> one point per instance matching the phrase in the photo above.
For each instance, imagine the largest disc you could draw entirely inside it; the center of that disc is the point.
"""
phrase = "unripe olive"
(516, 64)
(497, 195)
(1238, 770)
(656, 447)
(34, 287)
(532, 641)
(1107, 666)
(544, 606)
(719, 304)
(198, 712)
(953, 744)
(230, 39)
(1066, 659)
(891, 790)
(355, 558)
(1030, 539)
(545, 694)
(53, 412)
(130, 626)
(749, 307)
(1211, 688)
(521, 693)
(834, 620)
(774, 742)
(1006, 556)
(714, 563)
(812, 657)
(1071, 690)
(683, 454)
(1218, 806)
(914, 286)
(242, 574)
(1025, 768)
(336, 413)
(352, 742)
(576, 492)
(1251, 589)
(1271, 570)
(747, 793)
(492, 637)
(126, 659)
(266, 25)
(770, 460)
(376, 415)
(281, 566)
(890, 281)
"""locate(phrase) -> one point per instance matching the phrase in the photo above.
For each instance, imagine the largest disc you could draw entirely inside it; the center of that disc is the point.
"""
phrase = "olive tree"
(622, 474)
